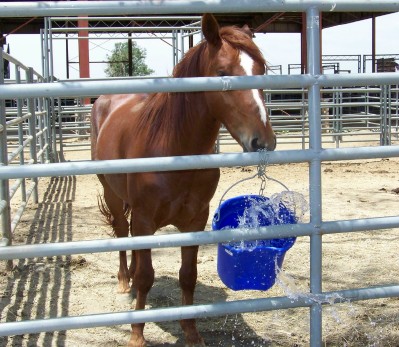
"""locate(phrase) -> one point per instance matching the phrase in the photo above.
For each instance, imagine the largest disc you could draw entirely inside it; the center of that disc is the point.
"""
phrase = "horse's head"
(230, 51)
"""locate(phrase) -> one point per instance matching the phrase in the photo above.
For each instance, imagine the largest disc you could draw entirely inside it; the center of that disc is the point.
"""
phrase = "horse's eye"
(221, 73)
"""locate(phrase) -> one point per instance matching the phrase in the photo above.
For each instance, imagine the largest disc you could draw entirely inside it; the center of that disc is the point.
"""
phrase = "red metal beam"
(83, 45)
(269, 21)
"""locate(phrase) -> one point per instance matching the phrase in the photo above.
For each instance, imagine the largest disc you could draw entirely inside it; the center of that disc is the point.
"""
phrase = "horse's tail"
(105, 211)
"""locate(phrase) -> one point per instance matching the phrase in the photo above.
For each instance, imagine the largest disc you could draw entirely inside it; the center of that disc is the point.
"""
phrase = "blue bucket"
(251, 264)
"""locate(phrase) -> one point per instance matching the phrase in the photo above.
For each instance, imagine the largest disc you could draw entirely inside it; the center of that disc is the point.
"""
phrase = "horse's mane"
(159, 113)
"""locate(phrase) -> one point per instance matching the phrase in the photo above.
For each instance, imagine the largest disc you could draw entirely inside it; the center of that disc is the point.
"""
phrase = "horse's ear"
(210, 29)
(247, 31)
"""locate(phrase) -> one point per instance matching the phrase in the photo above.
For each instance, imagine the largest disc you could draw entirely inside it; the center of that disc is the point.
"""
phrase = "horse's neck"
(195, 129)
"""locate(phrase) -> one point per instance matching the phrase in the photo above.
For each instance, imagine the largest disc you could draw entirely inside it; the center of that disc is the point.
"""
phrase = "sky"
(278, 49)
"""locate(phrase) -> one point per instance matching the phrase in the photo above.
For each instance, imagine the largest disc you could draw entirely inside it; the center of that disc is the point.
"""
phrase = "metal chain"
(263, 161)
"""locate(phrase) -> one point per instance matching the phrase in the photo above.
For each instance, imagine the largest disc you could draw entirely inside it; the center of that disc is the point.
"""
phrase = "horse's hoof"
(123, 287)
(124, 290)
(198, 343)
(123, 283)
(137, 342)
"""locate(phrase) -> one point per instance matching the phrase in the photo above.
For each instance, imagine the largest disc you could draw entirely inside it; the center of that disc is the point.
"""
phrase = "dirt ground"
(86, 284)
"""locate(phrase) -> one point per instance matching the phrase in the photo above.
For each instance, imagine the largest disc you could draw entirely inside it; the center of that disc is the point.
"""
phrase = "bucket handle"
(261, 174)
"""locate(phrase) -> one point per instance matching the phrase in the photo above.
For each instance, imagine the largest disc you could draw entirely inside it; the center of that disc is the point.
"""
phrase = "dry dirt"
(86, 284)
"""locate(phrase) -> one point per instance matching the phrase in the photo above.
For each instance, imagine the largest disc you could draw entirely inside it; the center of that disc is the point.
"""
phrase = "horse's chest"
(177, 197)
(194, 196)
(194, 187)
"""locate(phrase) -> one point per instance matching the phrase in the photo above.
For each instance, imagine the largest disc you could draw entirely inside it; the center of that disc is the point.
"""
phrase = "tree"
(118, 61)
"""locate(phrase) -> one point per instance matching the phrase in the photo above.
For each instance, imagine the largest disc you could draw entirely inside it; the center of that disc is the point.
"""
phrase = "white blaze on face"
(247, 64)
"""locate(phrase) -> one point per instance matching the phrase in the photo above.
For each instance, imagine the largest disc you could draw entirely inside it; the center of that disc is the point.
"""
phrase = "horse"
(176, 124)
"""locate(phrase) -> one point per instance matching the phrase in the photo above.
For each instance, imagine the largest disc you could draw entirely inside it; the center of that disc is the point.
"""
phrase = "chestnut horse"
(175, 124)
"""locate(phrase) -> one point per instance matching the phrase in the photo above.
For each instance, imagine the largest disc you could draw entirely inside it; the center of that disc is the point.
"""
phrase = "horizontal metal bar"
(142, 164)
(359, 153)
(98, 8)
(325, 91)
(154, 241)
(357, 79)
(195, 311)
(355, 225)
(119, 29)
(193, 162)
(124, 86)
(127, 18)
(193, 84)
(193, 238)
(113, 37)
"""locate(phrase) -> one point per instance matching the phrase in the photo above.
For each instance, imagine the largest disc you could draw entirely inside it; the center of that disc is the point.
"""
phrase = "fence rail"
(24, 133)
(314, 155)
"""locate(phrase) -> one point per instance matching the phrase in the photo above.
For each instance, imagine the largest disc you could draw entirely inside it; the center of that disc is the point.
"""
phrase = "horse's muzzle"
(255, 145)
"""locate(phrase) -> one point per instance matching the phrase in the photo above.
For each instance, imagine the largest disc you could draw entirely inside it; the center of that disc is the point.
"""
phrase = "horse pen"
(338, 286)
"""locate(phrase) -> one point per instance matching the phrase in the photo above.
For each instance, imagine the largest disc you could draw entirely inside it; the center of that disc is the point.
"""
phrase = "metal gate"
(315, 155)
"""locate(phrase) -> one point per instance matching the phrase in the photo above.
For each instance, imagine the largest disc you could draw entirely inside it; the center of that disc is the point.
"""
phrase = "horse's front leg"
(142, 282)
(188, 280)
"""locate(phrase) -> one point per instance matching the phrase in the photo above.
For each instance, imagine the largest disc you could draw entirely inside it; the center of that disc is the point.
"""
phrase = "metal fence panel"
(314, 81)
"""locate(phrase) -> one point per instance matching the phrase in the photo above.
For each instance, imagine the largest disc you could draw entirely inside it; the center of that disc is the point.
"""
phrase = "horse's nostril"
(254, 143)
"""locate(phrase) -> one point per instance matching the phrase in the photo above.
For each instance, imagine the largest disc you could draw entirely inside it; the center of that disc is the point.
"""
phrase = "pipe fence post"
(313, 41)
(6, 234)
(32, 133)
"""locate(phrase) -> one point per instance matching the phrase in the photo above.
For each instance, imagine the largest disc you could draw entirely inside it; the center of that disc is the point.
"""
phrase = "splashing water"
(281, 208)
(292, 291)
(293, 201)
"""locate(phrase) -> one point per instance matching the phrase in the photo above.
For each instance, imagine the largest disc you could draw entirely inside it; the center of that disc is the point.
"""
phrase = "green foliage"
(118, 61)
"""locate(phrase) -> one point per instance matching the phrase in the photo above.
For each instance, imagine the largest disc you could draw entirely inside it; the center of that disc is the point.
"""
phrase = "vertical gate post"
(20, 132)
(175, 48)
(40, 124)
(385, 118)
(5, 212)
(313, 41)
(32, 132)
(61, 156)
(47, 72)
(181, 43)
